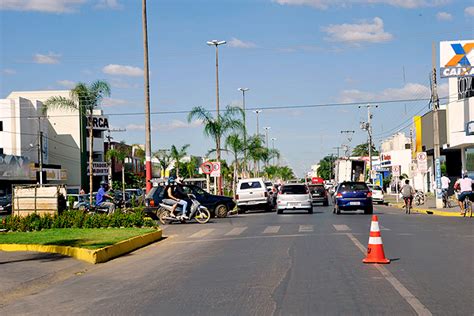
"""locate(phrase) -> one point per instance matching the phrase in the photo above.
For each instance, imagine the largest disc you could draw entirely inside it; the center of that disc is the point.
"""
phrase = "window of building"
(465, 87)
(1, 126)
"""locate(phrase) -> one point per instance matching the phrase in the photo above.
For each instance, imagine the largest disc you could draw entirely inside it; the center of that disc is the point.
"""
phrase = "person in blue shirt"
(102, 196)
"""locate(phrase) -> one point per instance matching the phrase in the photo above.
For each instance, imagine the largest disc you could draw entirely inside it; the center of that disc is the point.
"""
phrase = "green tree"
(119, 154)
(83, 98)
(177, 155)
(236, 146)
(363, 150)
(164, 159)
(325, 169)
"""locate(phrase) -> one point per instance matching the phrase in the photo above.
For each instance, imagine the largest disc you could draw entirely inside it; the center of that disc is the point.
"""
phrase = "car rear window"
(317, 188)
(294, 189)
(353, 187)
(250, 185)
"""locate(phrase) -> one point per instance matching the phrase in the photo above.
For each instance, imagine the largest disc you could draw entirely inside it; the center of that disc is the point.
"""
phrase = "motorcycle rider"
(101, 196)
(175, 194)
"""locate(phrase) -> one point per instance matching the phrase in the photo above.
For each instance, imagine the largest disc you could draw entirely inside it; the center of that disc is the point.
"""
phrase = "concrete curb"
(88, 255)
(429, 211)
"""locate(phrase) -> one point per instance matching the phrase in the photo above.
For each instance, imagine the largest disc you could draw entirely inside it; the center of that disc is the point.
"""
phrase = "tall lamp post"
(146, 74)
(243, 90)
(216, 43)
(273, 147)
(257, 112)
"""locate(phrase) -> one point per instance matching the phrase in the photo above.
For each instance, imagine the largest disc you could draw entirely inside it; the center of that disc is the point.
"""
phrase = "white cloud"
(8, 71)
(365, 31)
(49, 6)
(66, 83)
(123, 70)
(444, 16)
(111, 102)
(109, 4)
(235, 42)
(120, 84)
(469, 11)
(51, 58)
(324, 4)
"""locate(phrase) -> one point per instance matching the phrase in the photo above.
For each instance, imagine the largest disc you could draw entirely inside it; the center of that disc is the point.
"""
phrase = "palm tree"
(236, 145)
(177, 155)
(217, 127)
(164, 158)
(83, 98)
(119, 153)
(255, 151)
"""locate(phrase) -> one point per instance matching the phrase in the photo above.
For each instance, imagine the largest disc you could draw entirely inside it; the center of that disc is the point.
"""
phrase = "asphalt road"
(290, 264)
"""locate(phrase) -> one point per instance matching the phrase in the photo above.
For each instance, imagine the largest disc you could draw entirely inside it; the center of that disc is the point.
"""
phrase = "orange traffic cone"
(375, 252)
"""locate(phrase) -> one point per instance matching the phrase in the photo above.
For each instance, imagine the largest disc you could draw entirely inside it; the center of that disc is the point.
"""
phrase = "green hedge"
(75, 219)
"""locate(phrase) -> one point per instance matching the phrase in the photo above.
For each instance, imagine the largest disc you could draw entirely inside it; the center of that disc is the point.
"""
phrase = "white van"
(252, 193)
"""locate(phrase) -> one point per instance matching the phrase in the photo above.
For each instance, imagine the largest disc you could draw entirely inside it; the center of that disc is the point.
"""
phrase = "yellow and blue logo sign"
(456, 58)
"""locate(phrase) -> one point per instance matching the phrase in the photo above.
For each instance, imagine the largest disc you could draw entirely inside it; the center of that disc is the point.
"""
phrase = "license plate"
(294, 204)
(354, 203)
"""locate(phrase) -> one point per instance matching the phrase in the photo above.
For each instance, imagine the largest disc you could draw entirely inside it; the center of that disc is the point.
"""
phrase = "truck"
(350, 169)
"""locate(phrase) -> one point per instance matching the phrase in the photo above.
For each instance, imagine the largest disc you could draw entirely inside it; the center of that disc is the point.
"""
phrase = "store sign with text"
(456, 58)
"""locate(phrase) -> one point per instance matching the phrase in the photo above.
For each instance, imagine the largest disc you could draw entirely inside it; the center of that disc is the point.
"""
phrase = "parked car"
(294, 196)
(252, 193)
(318, 194)
(6, 204)
(217, 204)
(351, 196)
(377, 193)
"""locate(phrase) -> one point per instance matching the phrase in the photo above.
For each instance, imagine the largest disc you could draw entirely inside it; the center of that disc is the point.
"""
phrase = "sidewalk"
(428, 208)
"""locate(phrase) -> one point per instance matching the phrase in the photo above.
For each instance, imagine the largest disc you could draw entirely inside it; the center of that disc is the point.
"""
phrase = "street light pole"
(267, 128)
(216, 43)
(243, 90)
(368, 127)
(258, 128)
(273, 147)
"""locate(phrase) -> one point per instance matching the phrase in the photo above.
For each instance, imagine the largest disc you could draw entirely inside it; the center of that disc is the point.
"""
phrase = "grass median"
(88, 238)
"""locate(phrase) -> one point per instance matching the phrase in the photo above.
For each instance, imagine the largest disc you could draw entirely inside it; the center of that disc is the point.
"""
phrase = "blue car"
(352, 196)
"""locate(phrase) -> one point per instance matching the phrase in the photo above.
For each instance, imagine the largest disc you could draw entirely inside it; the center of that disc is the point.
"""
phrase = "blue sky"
(288, 52)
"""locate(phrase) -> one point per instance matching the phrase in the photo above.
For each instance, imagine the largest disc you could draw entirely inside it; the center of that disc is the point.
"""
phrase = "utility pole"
(40, 145)
(257, 112)
(337, 148)
(146, 74)
(349, 139)
(273, 147)
(216, 43)
(368, 127)
(266, 128)
(435, 103)
(243, 90)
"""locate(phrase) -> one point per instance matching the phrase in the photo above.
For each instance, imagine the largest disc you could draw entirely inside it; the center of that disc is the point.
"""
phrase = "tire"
(326, 203)
(310, 211)
(338, 210)
(279, 211)
(369, 210)
(202, 216)
(221, 210)
(241, 210)
(162, 216)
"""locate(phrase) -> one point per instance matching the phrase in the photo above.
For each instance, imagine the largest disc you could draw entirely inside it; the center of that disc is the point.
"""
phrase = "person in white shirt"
(465, 188)
(445, 183)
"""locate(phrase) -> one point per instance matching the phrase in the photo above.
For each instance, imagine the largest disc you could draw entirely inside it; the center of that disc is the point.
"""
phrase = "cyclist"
(465, 188)
(408, 192)
(444, 187)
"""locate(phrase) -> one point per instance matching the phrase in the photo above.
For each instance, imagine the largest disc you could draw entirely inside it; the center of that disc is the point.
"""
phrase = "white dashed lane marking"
(271, 230)
(236, 231)
(202, 233)
(341, 227)
(306, 228)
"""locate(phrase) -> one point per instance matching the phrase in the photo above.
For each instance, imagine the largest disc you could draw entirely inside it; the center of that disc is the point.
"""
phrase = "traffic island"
(93, 245)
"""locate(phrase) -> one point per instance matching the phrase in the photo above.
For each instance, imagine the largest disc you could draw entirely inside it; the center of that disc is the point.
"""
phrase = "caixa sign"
(99, 123)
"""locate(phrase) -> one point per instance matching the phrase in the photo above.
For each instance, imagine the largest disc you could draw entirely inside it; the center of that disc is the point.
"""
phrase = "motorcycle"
(419, 198)
(198, 212)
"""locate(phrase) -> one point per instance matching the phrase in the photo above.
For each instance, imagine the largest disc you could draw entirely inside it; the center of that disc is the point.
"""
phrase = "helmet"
(170, 180)
(103, 183)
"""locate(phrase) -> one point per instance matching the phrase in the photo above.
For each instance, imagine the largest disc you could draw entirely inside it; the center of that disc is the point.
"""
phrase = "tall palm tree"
(177, 155)
(120, 154)
(83, 98)
(255, 151)
(164, 158)
(236, 145)
(218, 127)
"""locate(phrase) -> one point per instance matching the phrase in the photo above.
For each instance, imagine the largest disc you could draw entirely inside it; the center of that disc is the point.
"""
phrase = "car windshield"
(353, 186)
(294, 189)
(199, 191)
(250, 185)
(268, 184)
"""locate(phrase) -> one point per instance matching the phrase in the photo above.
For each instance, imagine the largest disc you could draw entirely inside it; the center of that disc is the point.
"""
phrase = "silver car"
(294, 196)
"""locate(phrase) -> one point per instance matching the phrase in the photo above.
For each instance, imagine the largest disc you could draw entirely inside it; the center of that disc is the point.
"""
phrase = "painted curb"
(429, 211)
(88, 255)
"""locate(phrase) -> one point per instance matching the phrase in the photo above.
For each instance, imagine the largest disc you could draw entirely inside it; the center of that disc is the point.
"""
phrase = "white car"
(377, 193)
(294, 196)
(252, 193)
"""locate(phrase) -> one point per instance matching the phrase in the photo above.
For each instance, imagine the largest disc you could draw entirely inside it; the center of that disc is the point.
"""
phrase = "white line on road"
(306, 228)
(419, 308)
(202, 233)
(236, 231)
(271, 230)
(341, 227)
(384, 228)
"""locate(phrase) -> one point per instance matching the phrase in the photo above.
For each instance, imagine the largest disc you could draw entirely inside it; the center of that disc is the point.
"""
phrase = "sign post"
(396, 174)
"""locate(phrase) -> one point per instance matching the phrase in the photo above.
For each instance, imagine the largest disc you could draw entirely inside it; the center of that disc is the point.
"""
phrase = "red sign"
(207, 167)
(317, 180)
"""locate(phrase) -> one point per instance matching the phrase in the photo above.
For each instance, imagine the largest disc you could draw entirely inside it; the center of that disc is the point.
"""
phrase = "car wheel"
(338, 210)
(241, 210)
(221, 210)
(279, 211)
(310, 211)
(369, 210)
(326, 203)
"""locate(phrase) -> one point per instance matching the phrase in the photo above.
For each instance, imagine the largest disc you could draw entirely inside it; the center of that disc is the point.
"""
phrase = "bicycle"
(446, 200)
(407, 204)
(467, 205)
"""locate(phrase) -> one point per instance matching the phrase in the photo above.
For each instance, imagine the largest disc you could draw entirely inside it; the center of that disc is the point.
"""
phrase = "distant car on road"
(294, 196)
(252, 193)
(351, 196)
(318, 194)
(6, 204)
(377, 193)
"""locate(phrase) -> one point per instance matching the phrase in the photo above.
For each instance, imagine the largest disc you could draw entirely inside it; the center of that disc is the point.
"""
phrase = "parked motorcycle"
(419, 198)
(198, 212)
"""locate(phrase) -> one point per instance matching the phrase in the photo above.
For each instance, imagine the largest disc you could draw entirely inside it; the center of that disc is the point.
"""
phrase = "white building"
(396, 151)
(61, 134)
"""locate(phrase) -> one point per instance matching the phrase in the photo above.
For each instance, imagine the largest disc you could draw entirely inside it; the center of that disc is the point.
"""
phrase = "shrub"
(75, 219)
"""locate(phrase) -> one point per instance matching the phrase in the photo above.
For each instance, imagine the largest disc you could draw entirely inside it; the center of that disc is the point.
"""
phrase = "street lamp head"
(243, 89)
(215, 42)
(267, 128)
(273, 138)
(257, 111)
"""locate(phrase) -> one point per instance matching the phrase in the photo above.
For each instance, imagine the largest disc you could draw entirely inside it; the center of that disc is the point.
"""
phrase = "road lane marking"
(236, 231)
(384, 228)
(271, 230)
(202, 233)
(411, 299)
(306, 228)
(341, 227)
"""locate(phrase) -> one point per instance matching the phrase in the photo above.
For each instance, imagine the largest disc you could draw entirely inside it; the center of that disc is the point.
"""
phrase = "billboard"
(456, 58)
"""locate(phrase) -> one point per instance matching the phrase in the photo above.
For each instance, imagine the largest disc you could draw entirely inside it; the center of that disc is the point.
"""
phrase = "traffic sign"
(422, 162)
(396, 171)
(216, 169)
(206, 167)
